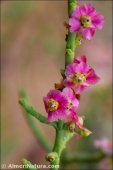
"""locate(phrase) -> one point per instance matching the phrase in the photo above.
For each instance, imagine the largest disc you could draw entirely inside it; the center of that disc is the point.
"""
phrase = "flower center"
(53, 105)
(79, 78)
(85, 21)
(69, 104)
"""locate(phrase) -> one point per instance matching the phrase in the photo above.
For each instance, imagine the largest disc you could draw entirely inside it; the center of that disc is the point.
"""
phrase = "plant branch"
(41, 138)
(29, 109)
(27, 165)
(70, 46)
(84, 157)
(37, 131)
(63, 136)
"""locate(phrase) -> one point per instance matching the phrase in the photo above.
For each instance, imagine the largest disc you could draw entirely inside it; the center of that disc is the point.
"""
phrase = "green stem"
(70, 46)
(57, 148)
(71, 6)
(27, 165)
(62, 137)
(29, 109)
(59, 144)
(37, 131)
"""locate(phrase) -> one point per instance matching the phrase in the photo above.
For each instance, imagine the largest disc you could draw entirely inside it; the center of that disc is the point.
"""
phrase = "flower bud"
(51, 157)
(72, 126)
(83, 131)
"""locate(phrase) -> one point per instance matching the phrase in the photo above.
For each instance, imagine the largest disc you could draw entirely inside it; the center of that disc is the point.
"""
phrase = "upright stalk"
(70, 46)
(63, 136)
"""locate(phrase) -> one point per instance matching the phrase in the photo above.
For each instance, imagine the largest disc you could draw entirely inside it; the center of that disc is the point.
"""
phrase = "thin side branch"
(27, 165)
(29, 109)
(37, 131)
(84, 157)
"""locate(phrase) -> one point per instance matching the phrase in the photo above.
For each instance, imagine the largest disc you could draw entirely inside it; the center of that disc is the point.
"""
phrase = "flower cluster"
(62, 102)
(85, 20)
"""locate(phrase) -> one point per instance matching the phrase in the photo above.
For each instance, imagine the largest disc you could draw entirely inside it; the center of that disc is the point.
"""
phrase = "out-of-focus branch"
(37, 131)
(29, 109)
(41, 138)
(84, 157)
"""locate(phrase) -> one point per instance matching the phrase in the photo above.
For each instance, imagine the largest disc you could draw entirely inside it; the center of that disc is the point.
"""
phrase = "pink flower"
(60, 105)
(72, 100)
(79, 75)
(85, 20)
(105, 145)
(72, 103)
(55, 104)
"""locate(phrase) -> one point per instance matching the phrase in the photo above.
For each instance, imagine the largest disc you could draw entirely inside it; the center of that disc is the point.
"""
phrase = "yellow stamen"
(85, 21)
(72, 126)
(53, 105)
(79, 78)
(69, 104)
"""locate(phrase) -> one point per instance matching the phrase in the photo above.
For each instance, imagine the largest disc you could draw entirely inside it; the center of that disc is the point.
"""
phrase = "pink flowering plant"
(61, 102)
(85, 20)
(79, 75)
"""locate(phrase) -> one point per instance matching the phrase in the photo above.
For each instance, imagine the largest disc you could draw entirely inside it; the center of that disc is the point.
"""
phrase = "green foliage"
(27, 165)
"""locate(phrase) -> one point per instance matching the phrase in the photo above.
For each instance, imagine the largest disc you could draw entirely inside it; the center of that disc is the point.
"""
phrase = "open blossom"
(85, 20)
(79, 75)
(72, 104)
(72, 100)
(55, 105)
(59, 104)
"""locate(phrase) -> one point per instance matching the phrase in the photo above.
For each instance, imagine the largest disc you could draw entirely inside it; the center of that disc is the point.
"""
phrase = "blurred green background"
(33, 48)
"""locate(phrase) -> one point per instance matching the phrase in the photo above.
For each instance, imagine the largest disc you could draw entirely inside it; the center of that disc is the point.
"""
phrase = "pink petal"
(92, 78)
(68, 92)
(74, 25)
(80, 88)
(45, 100)
(87, 33)
(84, 9)
(70, 69)
(52, 117)
(77, 13)
(57, 115)
(98, 21)
(75, 103)
(82, 68)
(68, 83)
(91, 10)
(79, 59)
